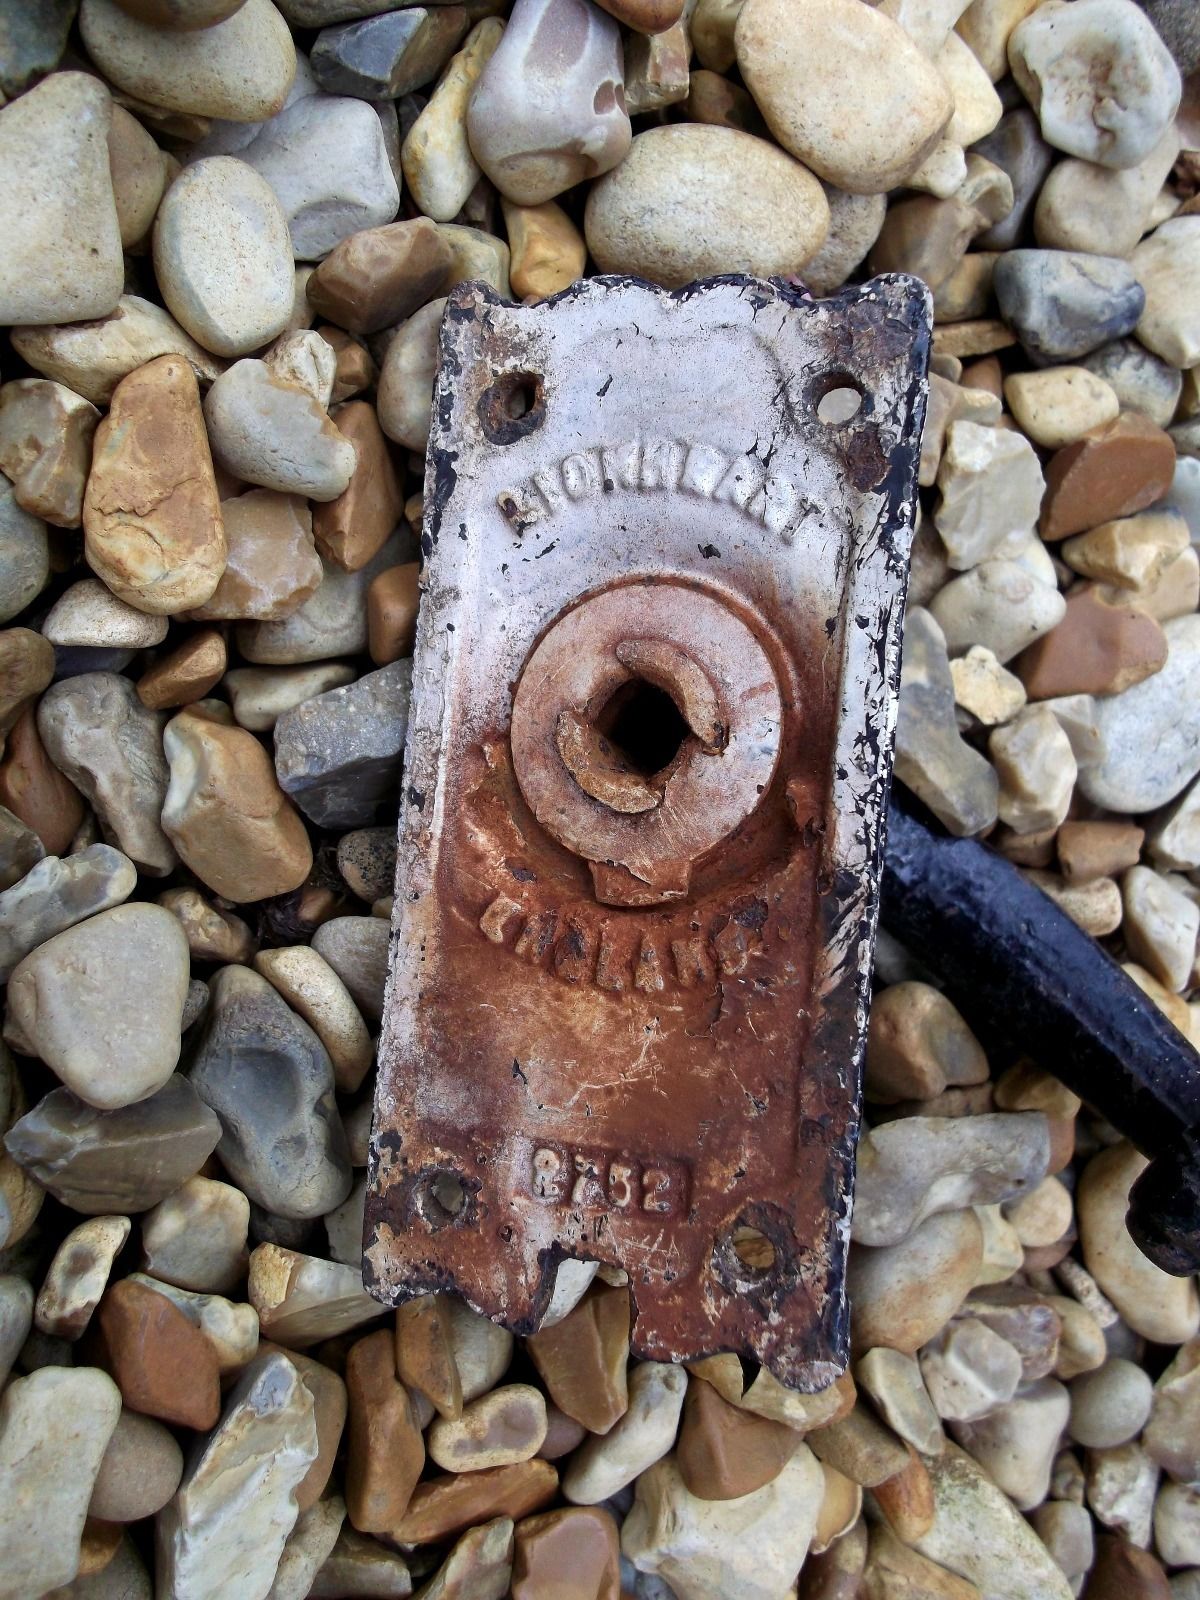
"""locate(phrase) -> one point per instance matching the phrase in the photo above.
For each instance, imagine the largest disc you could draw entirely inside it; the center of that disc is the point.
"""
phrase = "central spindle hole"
(644, 725)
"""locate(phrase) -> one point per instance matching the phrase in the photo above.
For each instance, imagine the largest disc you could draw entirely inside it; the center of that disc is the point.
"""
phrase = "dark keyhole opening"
(645, 725)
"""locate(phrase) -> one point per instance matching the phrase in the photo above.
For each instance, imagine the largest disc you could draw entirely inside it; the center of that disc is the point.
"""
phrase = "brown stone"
(186, 673)
(385, 1453)
(161, 1362)
(645, 16)
(226, 814)
(1088, 850)
(582, 1359)
(894, 1572)
(926, 236)
(272, 565)
(329, 1414)
(1097, 648)
(573, 1554)
(98, 1545)
(355, 526)
(26, 668)
(46, 433)
(1113, 471)
(392, 604)
(713, 99)
(443, 1506)
(860, 1447)
(918, 1045)
(724, 1452)
(425, 1352)
(212, 933)
(979, 337)
(986, 374)
(836, 1573)
(380, 276)
(563, 1434)
(906, 1500)
(355, 371)
(1123, 1572)
(151, 517)
(33, 788)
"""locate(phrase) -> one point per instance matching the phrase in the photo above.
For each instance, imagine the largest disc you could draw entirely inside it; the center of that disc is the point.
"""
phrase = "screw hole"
(837, 397)
(512, 407)
(644, 724)
(441, 1198)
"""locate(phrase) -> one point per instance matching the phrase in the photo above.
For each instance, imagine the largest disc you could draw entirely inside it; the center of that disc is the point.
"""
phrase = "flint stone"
(127, 1160)
(98, 733)
(24, 554)
(1062, 304)
(383, 57)
(56, 894)
(226, 1528)
(32, 40)
(339, 754)
(268, 1077)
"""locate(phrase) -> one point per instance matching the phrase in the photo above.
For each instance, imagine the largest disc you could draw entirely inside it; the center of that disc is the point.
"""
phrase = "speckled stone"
(338, 755)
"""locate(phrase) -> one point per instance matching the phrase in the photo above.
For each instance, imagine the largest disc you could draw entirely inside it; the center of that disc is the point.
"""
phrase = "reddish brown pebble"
(906, 1500)
(1097, 648)
(1089, 850)
(186, 674)
(425, 1353)
(444, 1506)
(161, 1362)
(392, 602)
(1123, 1572)
(582, 1359)
(354, 527)
(33, 788)
(568, 1555)
(1113, 471)
(379, 276)
(724, 1452)
(355, 371)
(386, 1453)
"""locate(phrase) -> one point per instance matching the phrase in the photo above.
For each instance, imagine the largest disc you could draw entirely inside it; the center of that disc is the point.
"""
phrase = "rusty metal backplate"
(666, 540)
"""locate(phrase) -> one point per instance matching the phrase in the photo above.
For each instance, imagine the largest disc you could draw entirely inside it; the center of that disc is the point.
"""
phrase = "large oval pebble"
(692, 200)
(223, 256)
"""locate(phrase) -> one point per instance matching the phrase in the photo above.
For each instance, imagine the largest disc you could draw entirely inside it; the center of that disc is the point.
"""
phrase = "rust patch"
(654, 693)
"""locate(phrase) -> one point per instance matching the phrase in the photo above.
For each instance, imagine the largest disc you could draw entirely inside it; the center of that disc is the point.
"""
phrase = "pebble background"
(228, 231)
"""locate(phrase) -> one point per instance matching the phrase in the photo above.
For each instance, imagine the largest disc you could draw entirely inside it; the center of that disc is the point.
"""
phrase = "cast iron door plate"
(654, 692)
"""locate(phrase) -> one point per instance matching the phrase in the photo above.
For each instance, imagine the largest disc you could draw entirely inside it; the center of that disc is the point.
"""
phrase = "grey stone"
(1178, 24)
(1062, 304)
(123, 1578)
(32, 40)
(932, 759)
(268, 1077)
(97, 731)
(366, 859)
(195, 1004)
(24, 551)
(339, 754)
(388, 55)
(290, 1233)
(320, 13)
(357, 950)
(20, 849)
(1017, 147)
(331, 622)
(56, 894)
(308, 1548)
(140, 1471)
(115, 1161)
(1184, 494)
(1151, 733)
(74, 660)
(16, 1319)
(1141, 381)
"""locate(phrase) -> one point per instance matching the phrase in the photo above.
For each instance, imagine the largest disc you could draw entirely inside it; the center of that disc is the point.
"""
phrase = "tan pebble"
(270, 431)
(439, 167)
(139, 176)
(26, 667)
(926, 236)
(712, 98)
(425, 1352)
(917, 1044)
(1095, 905)
(1132, 552)
(978, 337)
(139, 1472)
(724, 1452)
(477, 254)
(1175, 593)
(894, 1384)
(570, 1552)
(860, 1446)
(379, 276)
(903, 1294)
(906, 1500)
(1088, 850)
(1160, 926)
(845, 90)
(351, 529)
(582, 1359)
(186, 673)
(1097, 648)
(89, 614)
(46, 434)
(392, 603)
(301, 1299)
(656, 70)
(1042, 1216)
(311, 987)
(385, 1453)
(405, 395)
(226, 814)
(983, 687)
(548, 251)
(497, 1430)
(78, 1275)
(1037, 770)
(196, 1237)
(765, 213)
(895, 1572)
(1172, 1435)
(1058, 405)
(354, 370)
(841, 1508)
(152, 522)
(213, 934)
(272, 566)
